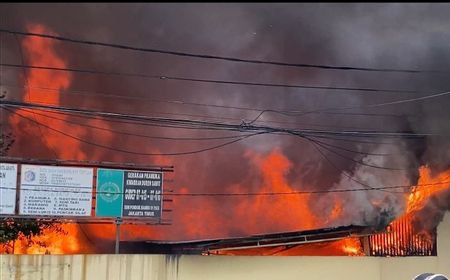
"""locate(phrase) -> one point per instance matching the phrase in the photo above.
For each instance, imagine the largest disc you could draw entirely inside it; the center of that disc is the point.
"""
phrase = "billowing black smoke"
(400, 36)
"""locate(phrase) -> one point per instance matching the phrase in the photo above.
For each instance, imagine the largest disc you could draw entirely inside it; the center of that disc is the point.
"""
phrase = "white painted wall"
(146, 267)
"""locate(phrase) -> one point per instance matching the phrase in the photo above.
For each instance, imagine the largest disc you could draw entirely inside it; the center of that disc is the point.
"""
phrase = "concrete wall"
(137, 267)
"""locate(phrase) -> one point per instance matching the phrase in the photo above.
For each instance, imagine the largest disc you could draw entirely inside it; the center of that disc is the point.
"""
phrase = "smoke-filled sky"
(399, 36)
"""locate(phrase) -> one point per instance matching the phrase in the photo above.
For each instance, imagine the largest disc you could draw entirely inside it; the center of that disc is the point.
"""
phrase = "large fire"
(260, 214)
(401, 238)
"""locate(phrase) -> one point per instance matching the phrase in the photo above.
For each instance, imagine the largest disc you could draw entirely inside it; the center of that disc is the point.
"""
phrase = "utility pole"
(117, 247)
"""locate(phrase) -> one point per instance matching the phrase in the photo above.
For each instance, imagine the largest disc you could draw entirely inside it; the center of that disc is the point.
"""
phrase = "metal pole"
(118, 222)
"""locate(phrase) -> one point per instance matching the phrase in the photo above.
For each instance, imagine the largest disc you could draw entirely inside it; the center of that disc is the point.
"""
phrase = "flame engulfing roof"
(215, 246)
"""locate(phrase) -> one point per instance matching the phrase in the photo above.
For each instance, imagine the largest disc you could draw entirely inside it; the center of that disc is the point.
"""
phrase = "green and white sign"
(109, 199)
(129, 193)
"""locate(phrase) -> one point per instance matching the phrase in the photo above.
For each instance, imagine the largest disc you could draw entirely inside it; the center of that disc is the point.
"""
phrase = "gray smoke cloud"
(404, 36)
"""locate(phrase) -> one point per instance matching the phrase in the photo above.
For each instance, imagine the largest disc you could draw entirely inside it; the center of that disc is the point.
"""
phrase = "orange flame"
(352, 247)
(428, 186)
(41, 51)
(290, 211)
(402, 237)
(68, 239)
(44, 52)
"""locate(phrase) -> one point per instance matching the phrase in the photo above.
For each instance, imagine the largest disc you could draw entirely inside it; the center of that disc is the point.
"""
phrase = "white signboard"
(8, 184)
(55, 191)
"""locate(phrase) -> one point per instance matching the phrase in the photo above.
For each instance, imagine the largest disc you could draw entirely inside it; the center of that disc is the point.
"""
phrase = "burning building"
(188, 267)
(307, 180)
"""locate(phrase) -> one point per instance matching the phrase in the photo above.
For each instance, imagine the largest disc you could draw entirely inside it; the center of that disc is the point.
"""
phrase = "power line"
(241, 194)
(410, 99)
(112, 95)
(314, 141)
(216, 57)
(338, 138)
(134, 152)
(177, 123)
(223, 117)
(349, 158)
(334, 138)
(286, 112)
(124, 120)
(266, 130)
(341, 171)
(90, 163)
(256, 130)
(318, 111)
(134, 134)
(188, 138)
(243, 127)
(349, 150)
(225, 82)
